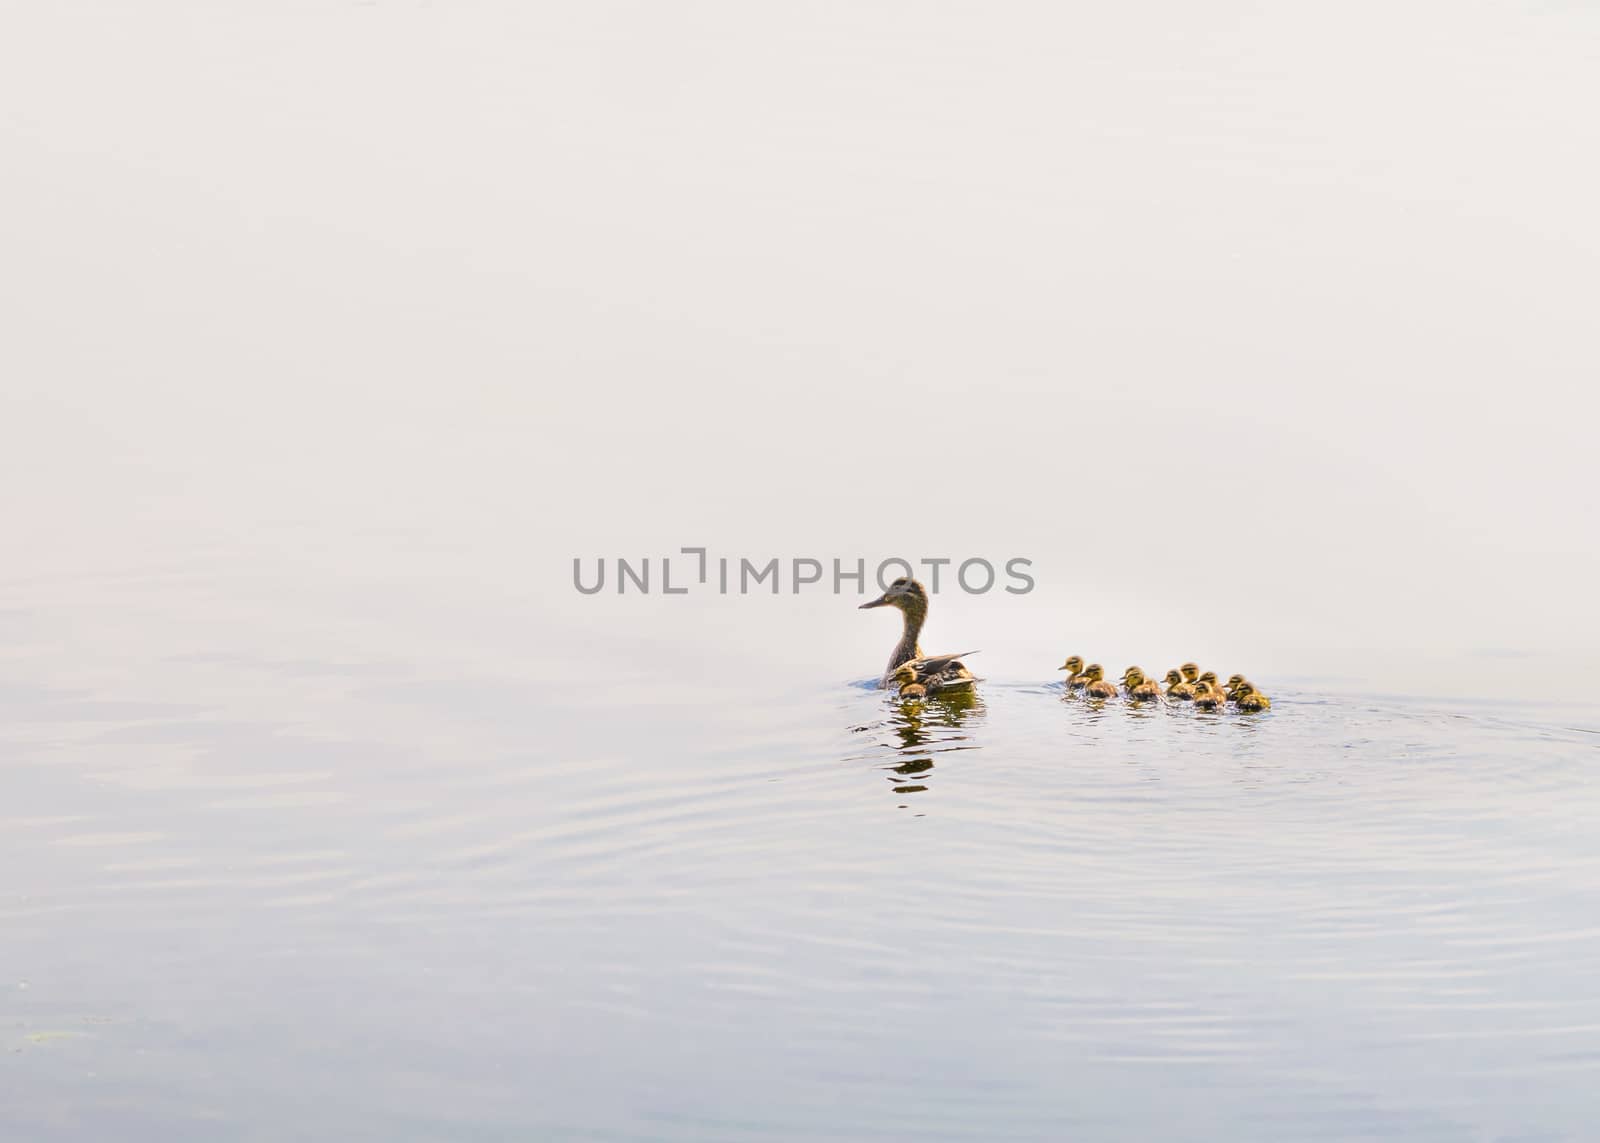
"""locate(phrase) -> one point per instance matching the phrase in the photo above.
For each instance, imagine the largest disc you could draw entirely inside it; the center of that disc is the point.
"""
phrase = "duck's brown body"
(933, 673)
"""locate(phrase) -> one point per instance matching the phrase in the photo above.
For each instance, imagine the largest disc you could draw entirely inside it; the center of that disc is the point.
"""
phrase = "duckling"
(1139, 687)
(1074, 668)
(1232, 684)
(1096, 685)
(1209, 679)
(1209, 697)
(1191, 673)
(1251, 700)
(1177, 688)
(913, 691)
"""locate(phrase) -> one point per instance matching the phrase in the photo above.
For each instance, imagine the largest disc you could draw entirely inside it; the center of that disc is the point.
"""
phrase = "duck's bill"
(881, 601)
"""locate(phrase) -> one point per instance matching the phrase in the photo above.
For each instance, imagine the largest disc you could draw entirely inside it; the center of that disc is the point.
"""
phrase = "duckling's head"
(1234, 680)
(904, 675)
(1191, 672)
(913, 691)
(1209, 678)
(905, 593)
(1174, 678)
(1073, 665)
(1244, 687)
(1094, 672)
(1133, 676)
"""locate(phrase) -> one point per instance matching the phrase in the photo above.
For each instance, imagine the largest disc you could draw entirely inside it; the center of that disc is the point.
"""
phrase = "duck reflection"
(923, 728)
(917, 721)
(911, 768)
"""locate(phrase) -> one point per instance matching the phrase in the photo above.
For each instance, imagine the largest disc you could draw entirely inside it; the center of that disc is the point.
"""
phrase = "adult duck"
(932, 672)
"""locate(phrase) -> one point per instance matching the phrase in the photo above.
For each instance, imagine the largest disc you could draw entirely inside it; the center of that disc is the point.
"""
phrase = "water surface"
(275, 896)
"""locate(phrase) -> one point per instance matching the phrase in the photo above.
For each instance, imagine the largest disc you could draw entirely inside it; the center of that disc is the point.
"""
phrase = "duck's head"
(905, 593)
(1133, 676)
(1073, 665)
(1191, 672)
(1209, 678)
(1094, 672)
(913, 691)
(1245, 687)
(1174, 678)
(1234, 681)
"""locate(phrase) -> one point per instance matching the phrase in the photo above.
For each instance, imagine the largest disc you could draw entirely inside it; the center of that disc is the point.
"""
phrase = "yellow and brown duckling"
(1209, 696)
(1190, 672)
(1074, 668)
(1138, 687)
(1232, 684)
(1250, 700)
(1096, 683)
(1178, 689)
(933, 672)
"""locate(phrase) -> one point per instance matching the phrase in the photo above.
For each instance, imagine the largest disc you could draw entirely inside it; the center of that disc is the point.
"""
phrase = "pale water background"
(334, 332)
(285, 862)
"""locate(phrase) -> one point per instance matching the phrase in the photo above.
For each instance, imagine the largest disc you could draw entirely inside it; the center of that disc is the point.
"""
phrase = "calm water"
(313, 893)
(335, 332)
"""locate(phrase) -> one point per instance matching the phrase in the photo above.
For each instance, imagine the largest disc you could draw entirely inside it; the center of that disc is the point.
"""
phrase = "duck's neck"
(907, 648)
